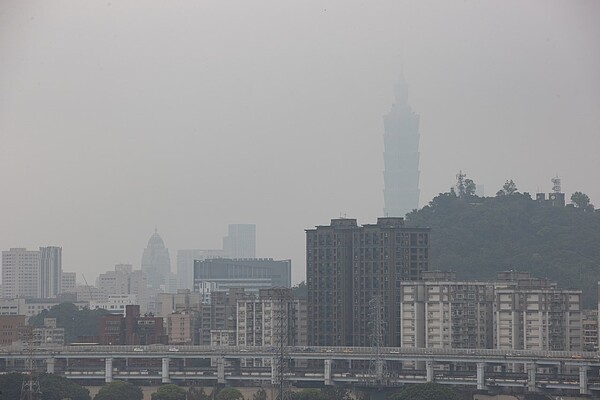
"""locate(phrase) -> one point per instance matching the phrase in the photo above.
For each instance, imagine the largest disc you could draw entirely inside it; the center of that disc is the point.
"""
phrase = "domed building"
(156, 262)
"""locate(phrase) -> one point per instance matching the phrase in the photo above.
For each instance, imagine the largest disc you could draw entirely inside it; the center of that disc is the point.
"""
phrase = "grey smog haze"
(116, 116)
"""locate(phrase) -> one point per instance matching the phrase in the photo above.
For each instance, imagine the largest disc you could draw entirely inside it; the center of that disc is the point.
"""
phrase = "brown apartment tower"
(348, 265)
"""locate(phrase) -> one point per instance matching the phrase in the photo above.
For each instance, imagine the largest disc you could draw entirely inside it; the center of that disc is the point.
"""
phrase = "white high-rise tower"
(401, 156)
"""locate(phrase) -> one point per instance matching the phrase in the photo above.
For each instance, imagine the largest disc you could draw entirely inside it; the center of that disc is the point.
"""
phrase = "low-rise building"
(11, 329)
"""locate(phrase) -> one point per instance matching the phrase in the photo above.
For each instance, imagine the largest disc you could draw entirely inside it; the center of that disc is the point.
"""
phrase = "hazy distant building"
(349, 265)
(401, 156)
(185, 264)
(68, 282)
(251, 274)
(156, 262)
(115, 304)
(50, 271)
(20, 273)
(240, 241)
(124, 281)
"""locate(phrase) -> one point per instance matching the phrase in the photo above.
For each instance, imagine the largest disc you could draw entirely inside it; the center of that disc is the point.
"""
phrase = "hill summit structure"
(401, 156)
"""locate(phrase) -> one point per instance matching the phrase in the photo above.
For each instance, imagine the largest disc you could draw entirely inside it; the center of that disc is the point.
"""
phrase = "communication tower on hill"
(556, 185)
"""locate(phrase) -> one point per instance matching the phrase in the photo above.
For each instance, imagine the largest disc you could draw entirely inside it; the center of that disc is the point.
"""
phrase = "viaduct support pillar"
(220, 370)
(165, 370)
(327, 373)
(583, 380)
(429, 369)
(108, 370)
(50, 366)
(531, 370)
(481, 376)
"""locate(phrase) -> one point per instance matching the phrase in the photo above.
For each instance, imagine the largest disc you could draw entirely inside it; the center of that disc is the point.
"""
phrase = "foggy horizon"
(116, 118)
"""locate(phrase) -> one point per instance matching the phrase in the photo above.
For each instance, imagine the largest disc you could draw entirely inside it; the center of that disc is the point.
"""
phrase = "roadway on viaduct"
(532, 371)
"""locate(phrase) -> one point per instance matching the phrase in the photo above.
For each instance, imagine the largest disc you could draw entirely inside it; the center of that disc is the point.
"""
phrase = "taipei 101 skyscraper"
(401, 156)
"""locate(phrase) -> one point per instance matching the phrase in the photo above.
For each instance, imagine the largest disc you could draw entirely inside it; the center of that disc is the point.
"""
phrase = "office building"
(185, 264)
(20, 273)
(251, 274)
(50, 272)
(156, 262)
(349, 267)
(240, 241)
(401, 156)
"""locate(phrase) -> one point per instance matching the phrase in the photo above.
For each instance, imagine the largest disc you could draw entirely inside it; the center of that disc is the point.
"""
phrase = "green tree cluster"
(53, 387)
(119, 390)
(229, 394)
(425, 391)
(482, 236)
(169, 392)
(76, 322)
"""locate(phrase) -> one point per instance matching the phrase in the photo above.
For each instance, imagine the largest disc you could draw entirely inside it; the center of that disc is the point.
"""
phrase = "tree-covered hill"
(476, 237)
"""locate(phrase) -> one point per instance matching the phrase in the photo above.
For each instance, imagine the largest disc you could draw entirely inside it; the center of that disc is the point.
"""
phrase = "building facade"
(50, 273)
(349, 266)
(20, 273)
(124, 281)
(401, 156)
(11, 329)
(240, 241)
(68, 282)
(446, 314)
(251, 274)
(185, 264)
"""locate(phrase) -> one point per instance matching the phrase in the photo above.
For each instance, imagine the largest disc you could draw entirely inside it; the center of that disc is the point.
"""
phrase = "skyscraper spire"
(401, 155)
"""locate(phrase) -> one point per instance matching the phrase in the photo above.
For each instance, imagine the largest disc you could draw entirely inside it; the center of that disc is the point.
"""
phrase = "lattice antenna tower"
(30, 387)
(556, 188)
(377, 368)
(281, 339)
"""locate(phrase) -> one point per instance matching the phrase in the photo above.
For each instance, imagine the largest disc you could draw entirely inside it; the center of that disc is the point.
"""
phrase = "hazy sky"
(116, 116)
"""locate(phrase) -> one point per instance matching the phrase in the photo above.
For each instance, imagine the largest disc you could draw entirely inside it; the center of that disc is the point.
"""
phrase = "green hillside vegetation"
(479, 236)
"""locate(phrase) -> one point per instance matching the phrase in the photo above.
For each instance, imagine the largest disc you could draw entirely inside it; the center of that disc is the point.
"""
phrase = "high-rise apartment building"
(50, 272)
(272, 319)
(349, 266)
(446, 314)
(20, 273)
(533, 314)
(156, 262)
(401, 156)
(240, 241)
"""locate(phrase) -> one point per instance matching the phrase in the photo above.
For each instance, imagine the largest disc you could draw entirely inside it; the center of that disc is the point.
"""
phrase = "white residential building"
(20, 273)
